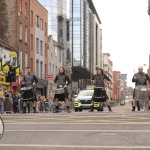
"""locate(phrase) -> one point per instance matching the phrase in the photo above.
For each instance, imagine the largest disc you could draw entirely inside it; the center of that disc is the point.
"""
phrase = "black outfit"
(99, 82)
(141, 79)
(29, 79)
(61, 80)
(15, 99)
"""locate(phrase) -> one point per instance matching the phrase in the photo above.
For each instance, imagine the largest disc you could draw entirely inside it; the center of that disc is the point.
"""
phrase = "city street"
(120, 129)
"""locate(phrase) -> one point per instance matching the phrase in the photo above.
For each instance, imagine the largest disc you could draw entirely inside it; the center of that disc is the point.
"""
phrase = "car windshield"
(86, 93)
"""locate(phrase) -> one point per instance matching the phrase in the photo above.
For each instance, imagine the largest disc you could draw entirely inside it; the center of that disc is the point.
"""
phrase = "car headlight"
(77, 100)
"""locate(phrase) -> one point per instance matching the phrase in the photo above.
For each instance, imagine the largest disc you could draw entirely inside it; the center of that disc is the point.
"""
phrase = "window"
(20, 58)
(31, 42)
(20, 31)
(20, 9)
(31, 64)
(41, 47)
(37, 21)
(37, 45)
(37, 68)
(59, 55)
(31, 18)
(26, 7)
(41, 24)
(45, 49)
(41, 69)
(50, 69)
(26, 59)
(67, 24)
(26, 35)
(45, 70)
(45, 29)
(68, 54)
(55, 51)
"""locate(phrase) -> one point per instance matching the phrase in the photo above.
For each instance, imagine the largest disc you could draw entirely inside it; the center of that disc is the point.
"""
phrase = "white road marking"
(74, 146)
(112, 131)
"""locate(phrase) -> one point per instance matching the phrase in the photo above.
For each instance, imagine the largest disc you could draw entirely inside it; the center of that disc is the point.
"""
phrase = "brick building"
(39, 44)
(116, 84)
(16, 19)
(23, 26)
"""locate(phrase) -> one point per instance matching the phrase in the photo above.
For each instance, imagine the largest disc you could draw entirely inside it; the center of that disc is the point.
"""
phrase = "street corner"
(1, 128)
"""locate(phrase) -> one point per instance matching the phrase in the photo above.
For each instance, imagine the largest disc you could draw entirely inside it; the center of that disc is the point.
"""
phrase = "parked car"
(83, 101)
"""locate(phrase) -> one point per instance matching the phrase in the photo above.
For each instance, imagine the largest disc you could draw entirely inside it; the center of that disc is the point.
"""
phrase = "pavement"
(121, 129)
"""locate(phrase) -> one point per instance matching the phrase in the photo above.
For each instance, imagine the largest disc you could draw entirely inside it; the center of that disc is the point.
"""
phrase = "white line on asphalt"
(73, 146)
(129, 131)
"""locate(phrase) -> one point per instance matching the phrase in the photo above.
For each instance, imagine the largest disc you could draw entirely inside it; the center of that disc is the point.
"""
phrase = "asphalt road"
(117, 130)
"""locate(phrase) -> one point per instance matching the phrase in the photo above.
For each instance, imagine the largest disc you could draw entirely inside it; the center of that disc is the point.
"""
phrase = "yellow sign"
(12, 54)
(17, 71)
(0, 64)
(6, 67)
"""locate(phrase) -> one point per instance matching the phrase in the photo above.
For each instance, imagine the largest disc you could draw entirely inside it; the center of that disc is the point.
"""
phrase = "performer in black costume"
(62, 80)
(140, 78)
(99, 82)
(29, 80)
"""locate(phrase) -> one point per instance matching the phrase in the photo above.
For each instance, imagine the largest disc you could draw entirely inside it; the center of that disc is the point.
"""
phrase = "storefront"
(41, 87)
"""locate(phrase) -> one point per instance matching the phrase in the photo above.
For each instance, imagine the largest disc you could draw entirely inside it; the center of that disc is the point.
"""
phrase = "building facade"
(58, 27)
(14, 31)
(56, 60)
(116, 85)
(39, 44)
(108, 70)
(16, 24)
(85, 41)
(25, 30)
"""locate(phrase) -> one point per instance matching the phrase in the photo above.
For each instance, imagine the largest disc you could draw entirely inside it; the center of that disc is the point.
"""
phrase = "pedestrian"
(1, 104)
(30, 80)
(140, 78)
(52, 104)
(62, 81)
(15, 99)
(98, 80)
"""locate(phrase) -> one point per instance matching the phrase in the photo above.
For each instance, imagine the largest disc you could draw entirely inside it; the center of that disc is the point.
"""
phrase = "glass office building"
(58, 13)
(82, 35)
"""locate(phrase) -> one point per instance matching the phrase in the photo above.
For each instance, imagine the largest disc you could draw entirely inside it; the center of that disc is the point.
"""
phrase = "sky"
(125, 34)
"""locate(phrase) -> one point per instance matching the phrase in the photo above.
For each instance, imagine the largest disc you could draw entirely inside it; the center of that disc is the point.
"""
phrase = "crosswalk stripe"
(109, 131)
(74, 146)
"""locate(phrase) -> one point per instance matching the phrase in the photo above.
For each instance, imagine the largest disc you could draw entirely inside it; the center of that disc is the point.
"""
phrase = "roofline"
(42, 5)
(92, 7)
